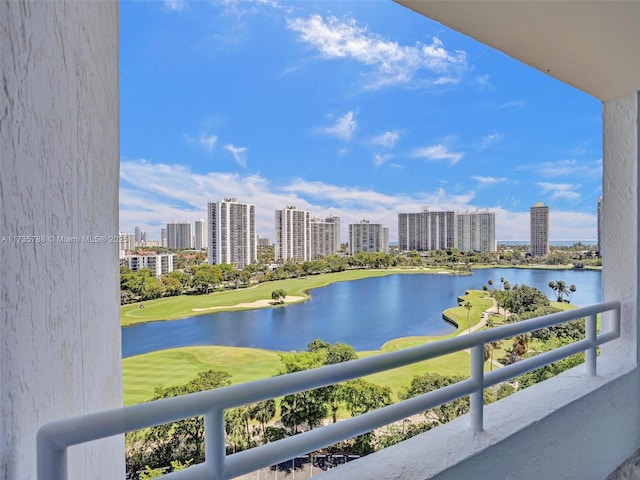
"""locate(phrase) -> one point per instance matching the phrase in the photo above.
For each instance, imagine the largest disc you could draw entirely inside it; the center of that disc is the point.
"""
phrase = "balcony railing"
(54, 438)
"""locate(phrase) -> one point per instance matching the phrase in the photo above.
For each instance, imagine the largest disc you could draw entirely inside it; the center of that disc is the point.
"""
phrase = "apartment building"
(426, 230)
(232, 233)
(293, 235)
(159, 264)
(179, 235)
(325, 236)
(200, 239)
(476, 231)
(368, 237)
(539, 218)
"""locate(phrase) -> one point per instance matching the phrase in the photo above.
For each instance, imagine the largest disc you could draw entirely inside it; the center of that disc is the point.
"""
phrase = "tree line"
(201, 279)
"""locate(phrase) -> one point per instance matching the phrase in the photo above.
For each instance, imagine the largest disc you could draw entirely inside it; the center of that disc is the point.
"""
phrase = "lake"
(363, 313)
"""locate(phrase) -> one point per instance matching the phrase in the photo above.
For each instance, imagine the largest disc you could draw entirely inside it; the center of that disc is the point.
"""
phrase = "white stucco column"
(620, 184)
(59, 161)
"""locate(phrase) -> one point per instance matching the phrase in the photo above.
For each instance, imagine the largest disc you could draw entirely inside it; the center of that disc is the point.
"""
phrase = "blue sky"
(358, 109)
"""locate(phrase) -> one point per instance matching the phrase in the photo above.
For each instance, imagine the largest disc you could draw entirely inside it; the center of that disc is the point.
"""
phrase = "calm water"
(363, 313)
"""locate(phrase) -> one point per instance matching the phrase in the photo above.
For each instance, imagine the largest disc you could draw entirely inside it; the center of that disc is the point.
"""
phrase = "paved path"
(482, 323)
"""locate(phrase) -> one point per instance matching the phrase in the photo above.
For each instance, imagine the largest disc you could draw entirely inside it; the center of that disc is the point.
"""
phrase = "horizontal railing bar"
(54, 437)
(195, 472)
(532, 363)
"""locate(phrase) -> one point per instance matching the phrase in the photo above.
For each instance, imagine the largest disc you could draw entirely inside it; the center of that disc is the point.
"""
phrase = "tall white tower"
(232, 233)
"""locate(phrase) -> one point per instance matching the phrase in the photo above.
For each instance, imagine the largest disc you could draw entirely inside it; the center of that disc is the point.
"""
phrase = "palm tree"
(560, 289)
(263, 412)
(468, 306)
(495, 344)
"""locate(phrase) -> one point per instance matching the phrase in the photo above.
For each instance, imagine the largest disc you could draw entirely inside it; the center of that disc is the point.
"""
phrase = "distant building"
(200, 240)
(427, 230)
(368, 237)
(138, 236)
(263, 241)
(293, 235)
(163, 237)
(179, 235)
(476, 231)
(159, 264)
(325, 236)
(232, 233)
(539, 230)
(127, 243)
(600, 224)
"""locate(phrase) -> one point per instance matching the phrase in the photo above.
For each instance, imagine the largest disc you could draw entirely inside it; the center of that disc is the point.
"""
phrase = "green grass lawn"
(142, 373)
(170, 308)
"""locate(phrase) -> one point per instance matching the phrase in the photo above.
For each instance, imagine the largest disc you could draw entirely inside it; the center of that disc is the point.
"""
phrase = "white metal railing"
(54, 438)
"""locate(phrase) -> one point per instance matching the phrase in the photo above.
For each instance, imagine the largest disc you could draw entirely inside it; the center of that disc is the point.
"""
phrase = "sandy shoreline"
(257, 304)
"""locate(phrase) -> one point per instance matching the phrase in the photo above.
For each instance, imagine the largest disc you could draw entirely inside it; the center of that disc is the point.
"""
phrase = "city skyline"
(329, 107)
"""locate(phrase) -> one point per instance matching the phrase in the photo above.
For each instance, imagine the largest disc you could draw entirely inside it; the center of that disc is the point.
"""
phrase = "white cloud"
(175, 5)
(387, 139)
(438, 152)
(208, 141)
(239, 154)
(380, 159)
(488, 180)
(513, 104)
(560, 191)
(204, 140)
(343, 128)
(490, 139)
(392, 63)
(568, 168)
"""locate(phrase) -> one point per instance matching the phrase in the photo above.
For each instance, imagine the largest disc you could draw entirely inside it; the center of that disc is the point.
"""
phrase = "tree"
(468, 307)
(362, 396)
(182, 440)
(561, 290)
(279, 295)
(520, 347)
(205, 277)
(304, 407)
(429, 382)
(263, 412)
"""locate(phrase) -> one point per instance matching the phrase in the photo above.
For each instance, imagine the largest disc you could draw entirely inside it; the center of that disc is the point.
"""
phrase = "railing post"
(591, 334)
(477, 376)
(214, 442)
(51, 461)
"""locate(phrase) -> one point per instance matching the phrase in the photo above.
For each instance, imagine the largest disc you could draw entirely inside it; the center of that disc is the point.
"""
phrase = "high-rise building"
(476, 231)
(368, 237)
(200, 241)
(325, 236)
(427, 230)
(600, 224)
(539, 230)
(293, 235)
(163, 237)
(138, 236)
(232, 233)
(179, 235)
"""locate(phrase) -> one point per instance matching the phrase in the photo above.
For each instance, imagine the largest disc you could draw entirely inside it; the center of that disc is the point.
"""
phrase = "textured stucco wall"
(60, 335)
(572, 427)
